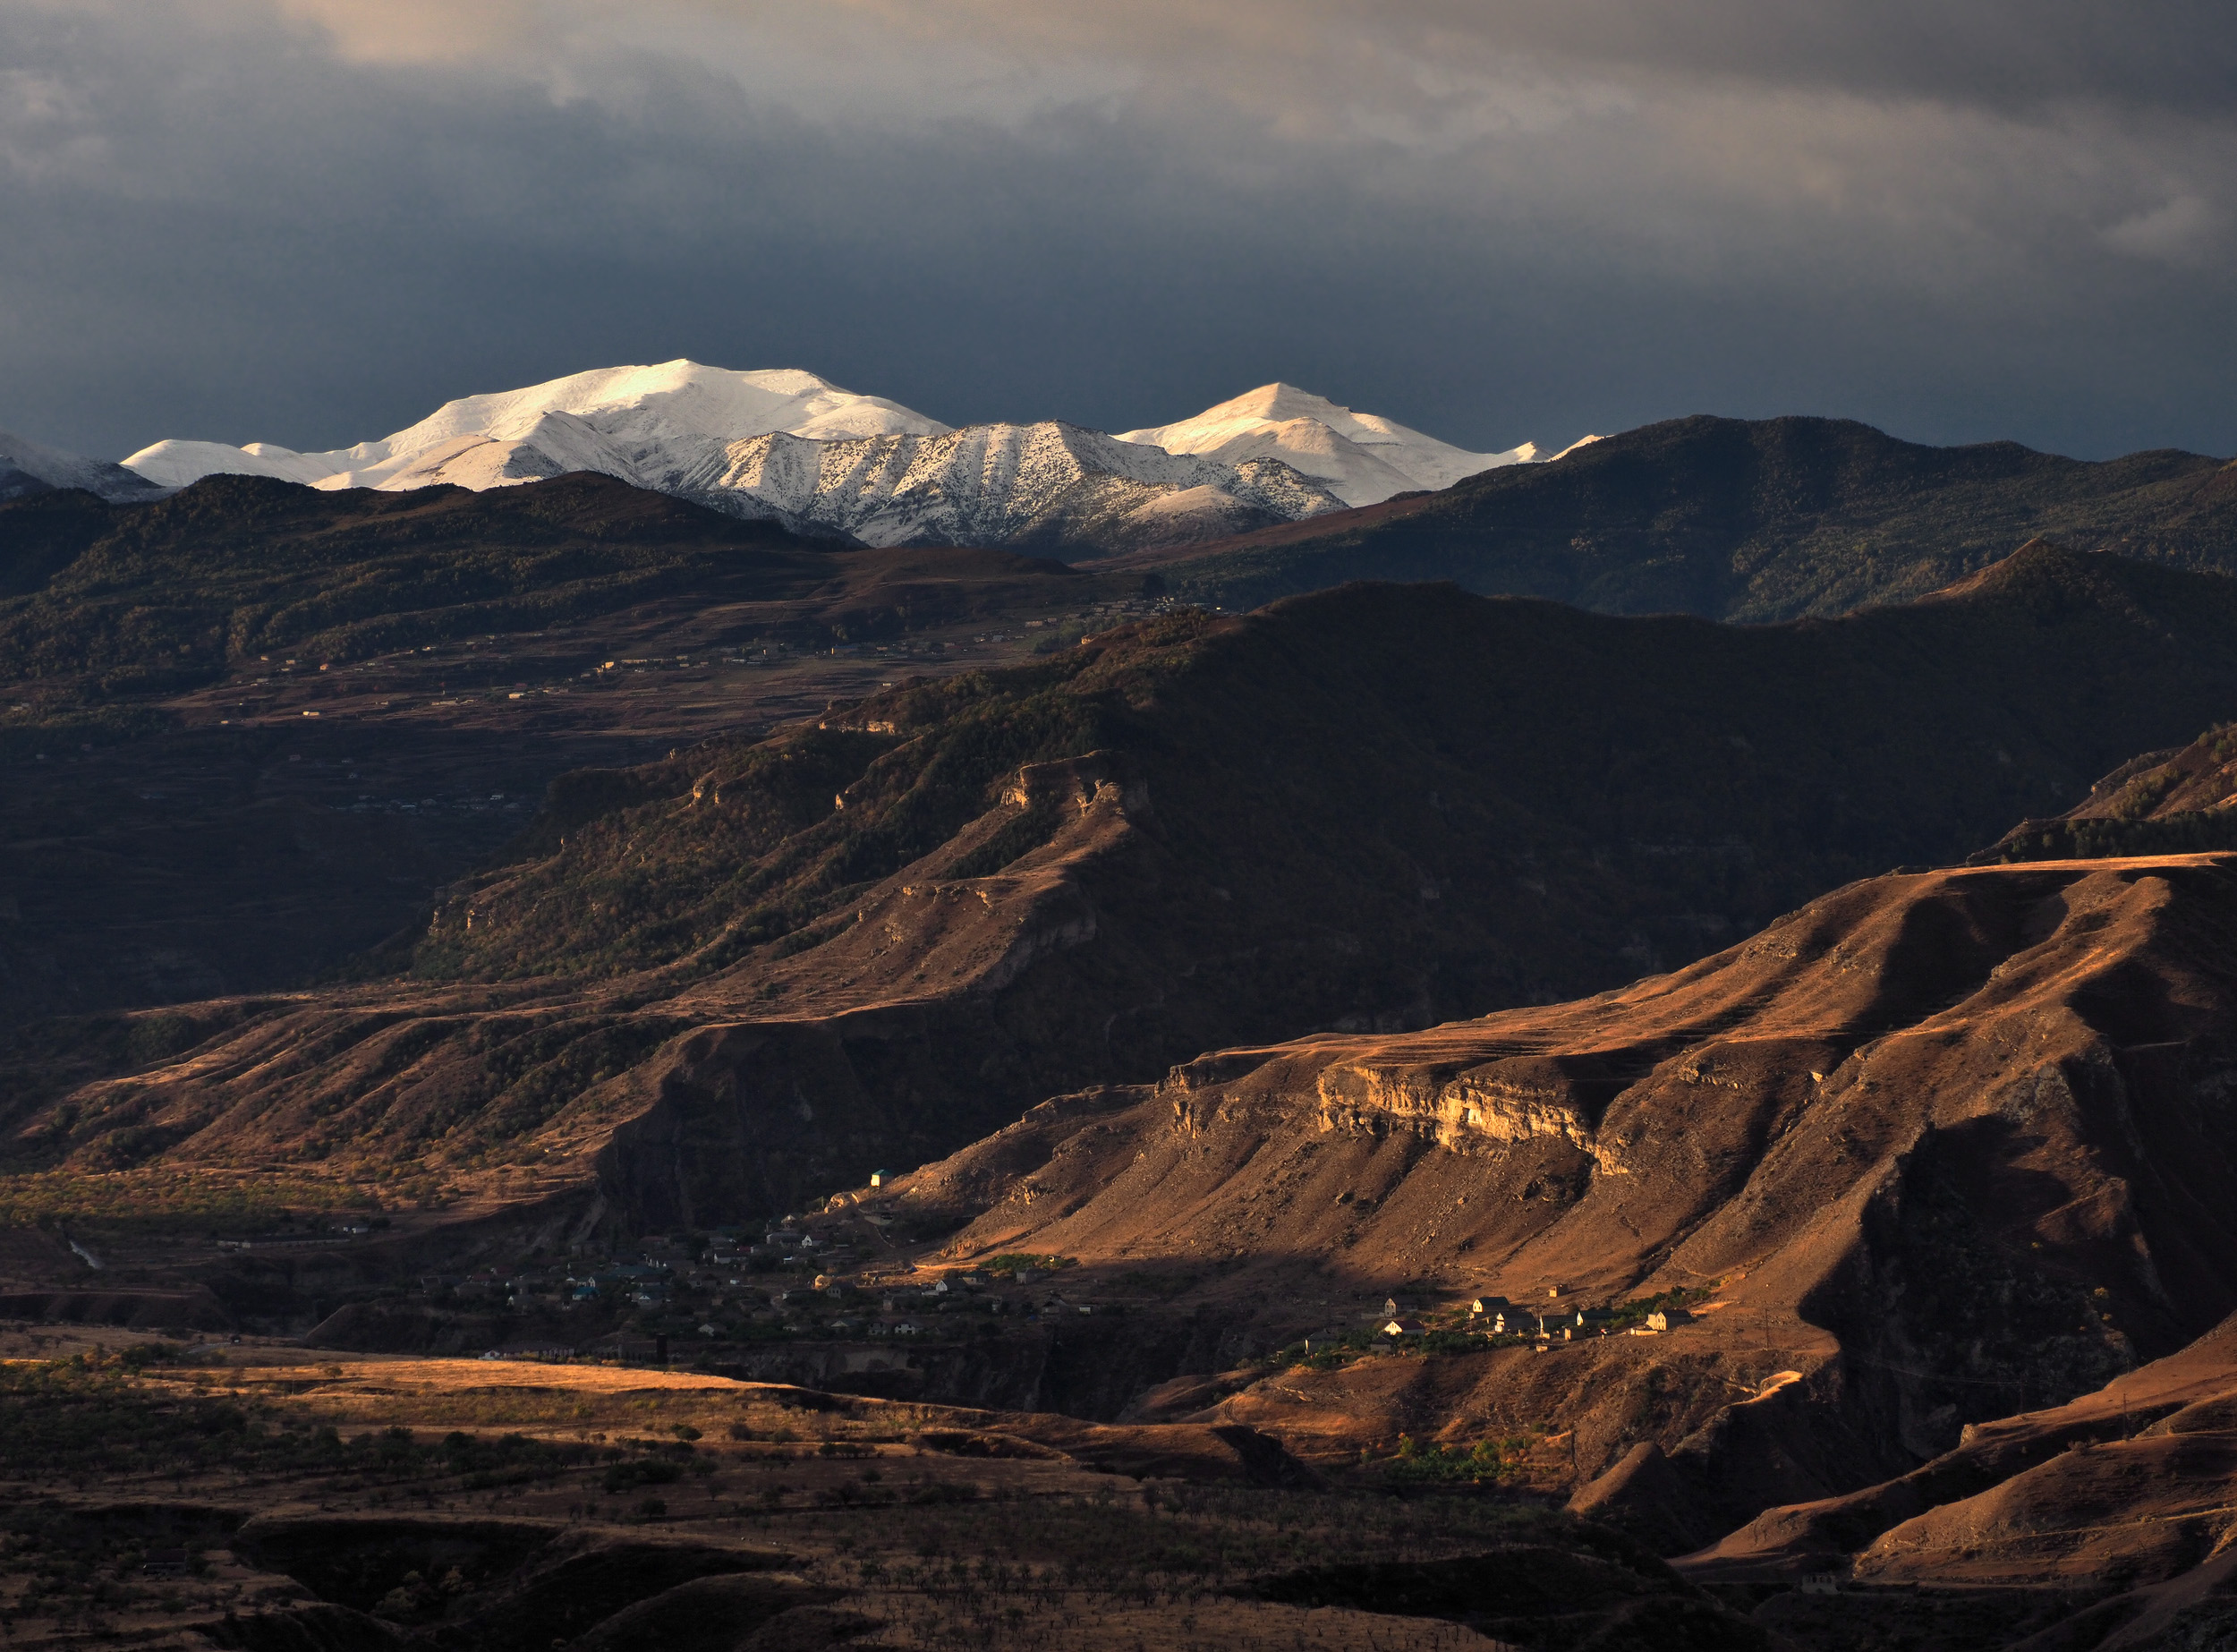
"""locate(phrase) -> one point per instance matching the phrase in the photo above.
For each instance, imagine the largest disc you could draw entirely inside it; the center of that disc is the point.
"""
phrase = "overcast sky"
(311, 221)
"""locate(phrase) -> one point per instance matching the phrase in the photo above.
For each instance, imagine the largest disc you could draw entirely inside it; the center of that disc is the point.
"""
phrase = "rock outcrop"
(1936, 1148)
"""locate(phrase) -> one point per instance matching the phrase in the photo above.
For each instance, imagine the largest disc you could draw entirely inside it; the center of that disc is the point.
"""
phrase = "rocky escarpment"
(1935, 1148)
(763, 969)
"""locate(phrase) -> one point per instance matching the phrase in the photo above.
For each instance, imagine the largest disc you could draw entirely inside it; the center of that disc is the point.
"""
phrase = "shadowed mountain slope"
(2162, 803)
(250, 730)
(755, 972)
(2115, 1507)
(106, 599)
(1663, 780)
(1936, 1148)
(1740, 519)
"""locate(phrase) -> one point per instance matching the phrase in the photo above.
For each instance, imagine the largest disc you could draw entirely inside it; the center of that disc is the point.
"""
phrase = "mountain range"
(1280, 491)
(1389, 944)
(1738, 519)
(790, 447)
(1374, 807)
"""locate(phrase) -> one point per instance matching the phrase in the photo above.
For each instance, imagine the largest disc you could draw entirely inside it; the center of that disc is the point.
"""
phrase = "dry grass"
(940, 1552)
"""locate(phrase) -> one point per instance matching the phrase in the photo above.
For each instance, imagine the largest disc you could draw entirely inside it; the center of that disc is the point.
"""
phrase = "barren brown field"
(799, 1518)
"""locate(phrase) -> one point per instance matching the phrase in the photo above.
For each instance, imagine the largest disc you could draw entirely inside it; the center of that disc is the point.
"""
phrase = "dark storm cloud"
(309, 225)
(2012, 53)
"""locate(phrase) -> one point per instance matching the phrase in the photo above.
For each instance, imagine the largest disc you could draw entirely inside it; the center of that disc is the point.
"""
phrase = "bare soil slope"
(2122, 1501)
(759, 970)
(1938, 1146)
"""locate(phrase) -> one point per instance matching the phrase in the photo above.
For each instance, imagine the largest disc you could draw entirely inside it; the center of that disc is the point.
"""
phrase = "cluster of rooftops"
(1553, 1322)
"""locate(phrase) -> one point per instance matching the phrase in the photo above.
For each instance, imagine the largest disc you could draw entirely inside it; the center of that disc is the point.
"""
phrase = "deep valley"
(576, 1070)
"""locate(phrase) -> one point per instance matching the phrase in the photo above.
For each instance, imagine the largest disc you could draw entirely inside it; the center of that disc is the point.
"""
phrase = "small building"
(879, 1178)
(1404, 1327)
(1664, 1318)
(1485, 1306)
(1393, 1307)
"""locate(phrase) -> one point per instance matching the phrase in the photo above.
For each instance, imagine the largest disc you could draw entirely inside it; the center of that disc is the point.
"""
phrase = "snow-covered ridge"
(1032, 485)
(789, 446)
(640, 424)
(1362, 458)
(29, 467)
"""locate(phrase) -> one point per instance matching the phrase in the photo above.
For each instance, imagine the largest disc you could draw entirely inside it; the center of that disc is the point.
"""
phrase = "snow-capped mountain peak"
(1362, 458)
(674, 398)
(786, 445)
(640, 424)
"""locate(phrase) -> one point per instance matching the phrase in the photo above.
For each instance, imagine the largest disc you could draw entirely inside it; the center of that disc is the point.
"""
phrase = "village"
(837, 1295)
(840, 1276)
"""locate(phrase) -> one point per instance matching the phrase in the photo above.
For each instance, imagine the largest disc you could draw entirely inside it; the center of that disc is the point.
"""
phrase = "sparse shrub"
(1487, 1461)
(640, 1471)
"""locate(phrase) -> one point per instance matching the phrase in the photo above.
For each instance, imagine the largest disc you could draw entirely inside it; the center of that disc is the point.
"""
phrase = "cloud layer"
(308, 221)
